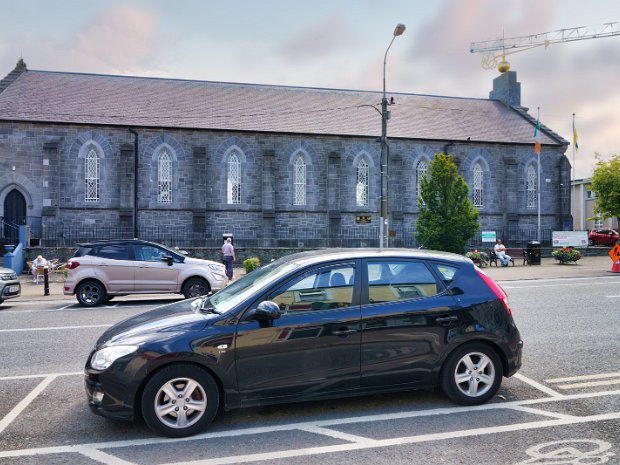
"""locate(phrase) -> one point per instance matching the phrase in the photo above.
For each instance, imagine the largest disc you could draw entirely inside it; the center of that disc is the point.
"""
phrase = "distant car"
(604, 236)
(313, 325)
(9, 284)
(101, 270)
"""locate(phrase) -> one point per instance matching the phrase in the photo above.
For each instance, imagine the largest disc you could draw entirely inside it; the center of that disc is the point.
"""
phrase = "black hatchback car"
(309, 326)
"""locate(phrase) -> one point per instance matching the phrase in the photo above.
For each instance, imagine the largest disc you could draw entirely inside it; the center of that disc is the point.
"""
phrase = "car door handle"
(344, 332)
(446, 319)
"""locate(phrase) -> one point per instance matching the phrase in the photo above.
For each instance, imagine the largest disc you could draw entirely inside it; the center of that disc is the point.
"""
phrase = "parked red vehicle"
(603, 237)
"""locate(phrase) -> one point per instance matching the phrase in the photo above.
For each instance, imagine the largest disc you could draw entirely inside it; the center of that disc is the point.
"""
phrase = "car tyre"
(195, 287)
(180, 400)
(90, 293)
(472, 374)
(590, 242)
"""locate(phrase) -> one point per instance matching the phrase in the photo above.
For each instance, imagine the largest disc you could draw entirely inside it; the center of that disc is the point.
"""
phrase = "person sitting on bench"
(500, 252)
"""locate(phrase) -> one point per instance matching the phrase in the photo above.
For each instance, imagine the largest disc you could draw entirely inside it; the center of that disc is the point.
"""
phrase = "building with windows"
(184, 162)
(584, 201)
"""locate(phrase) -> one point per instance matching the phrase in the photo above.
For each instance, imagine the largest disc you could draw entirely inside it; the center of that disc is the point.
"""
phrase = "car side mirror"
(167, 258)
(267, 310)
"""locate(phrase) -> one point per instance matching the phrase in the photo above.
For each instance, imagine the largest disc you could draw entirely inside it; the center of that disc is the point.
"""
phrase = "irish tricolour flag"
(537, 137)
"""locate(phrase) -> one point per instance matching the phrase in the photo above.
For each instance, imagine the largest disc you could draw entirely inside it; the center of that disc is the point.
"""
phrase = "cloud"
(315, 41)
(116, 40)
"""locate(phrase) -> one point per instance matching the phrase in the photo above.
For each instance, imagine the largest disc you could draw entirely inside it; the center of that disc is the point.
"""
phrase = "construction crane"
(519, 44)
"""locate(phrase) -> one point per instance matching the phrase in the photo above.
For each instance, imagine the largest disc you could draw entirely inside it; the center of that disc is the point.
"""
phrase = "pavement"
(548, 269)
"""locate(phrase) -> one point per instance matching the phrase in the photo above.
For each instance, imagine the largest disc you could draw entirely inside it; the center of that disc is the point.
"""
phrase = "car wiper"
(202, 305)
(208, 309)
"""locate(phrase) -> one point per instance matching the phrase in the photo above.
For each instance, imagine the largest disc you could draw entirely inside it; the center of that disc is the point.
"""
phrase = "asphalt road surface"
(562, 407)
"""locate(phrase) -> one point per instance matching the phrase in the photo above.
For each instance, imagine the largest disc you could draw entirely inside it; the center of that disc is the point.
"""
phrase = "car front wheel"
(90, 294)
(472, 374)
(195, 287)
(180, 400)
(590, 242)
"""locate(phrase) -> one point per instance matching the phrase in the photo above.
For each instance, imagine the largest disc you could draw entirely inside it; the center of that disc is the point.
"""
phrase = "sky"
(339, 44)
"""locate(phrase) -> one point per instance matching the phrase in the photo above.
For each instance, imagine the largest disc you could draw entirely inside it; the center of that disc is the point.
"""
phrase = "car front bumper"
(10, 289)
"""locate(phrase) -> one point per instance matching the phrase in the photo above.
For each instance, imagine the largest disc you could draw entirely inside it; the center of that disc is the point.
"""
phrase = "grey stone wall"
(46, 163)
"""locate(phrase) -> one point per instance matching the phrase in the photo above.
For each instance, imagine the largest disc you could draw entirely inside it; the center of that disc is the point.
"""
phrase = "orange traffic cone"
(615, 268)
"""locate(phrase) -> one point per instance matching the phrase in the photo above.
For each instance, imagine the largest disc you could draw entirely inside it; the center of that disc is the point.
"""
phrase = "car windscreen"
(235, 293)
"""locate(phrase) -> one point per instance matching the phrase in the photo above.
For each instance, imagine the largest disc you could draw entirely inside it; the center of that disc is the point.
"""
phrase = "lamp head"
(399, 29)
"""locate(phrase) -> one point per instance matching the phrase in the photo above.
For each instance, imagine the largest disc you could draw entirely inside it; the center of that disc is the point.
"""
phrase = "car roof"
(117, 241)
(324, 255)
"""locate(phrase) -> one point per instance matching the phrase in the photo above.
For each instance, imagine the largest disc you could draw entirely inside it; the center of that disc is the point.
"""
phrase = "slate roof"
(58, 97)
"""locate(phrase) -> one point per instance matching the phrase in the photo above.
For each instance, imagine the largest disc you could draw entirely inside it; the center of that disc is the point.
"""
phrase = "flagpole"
(572, 190)
(539, 186)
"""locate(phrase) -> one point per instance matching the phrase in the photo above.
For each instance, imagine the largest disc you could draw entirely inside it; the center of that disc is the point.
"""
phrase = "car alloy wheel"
(472, 374)
(195, 287)
(90, 294)
(180, 400)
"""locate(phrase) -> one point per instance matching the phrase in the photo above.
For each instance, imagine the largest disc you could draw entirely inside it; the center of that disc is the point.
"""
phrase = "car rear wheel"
(90, 294)
(195, 287)
(472, 374)
(180, 400)
(590, 242)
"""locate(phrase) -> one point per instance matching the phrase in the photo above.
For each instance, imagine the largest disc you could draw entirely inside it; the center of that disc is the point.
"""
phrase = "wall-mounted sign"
(489, 236)
(362, 219)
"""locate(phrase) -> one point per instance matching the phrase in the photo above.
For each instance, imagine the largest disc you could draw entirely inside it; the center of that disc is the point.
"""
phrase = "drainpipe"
(135, 182)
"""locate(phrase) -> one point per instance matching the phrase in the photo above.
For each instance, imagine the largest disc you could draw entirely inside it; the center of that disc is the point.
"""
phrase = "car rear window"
(82, 251)
(114, 252)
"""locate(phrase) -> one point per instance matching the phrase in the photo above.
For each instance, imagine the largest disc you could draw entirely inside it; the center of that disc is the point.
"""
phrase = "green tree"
(448, 219)
(606, 185)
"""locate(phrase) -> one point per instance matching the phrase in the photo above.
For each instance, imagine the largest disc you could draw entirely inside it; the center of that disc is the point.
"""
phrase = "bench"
(513, 253)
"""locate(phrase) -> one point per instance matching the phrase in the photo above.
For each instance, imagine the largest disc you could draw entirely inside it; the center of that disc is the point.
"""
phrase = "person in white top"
(228, 257)
(500, 252)
(39, 261)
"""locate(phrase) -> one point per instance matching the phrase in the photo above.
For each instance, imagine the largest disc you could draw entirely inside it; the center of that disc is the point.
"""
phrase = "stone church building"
(86, 156)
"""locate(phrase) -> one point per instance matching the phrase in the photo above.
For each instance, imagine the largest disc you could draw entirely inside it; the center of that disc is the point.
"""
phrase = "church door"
(14, 213)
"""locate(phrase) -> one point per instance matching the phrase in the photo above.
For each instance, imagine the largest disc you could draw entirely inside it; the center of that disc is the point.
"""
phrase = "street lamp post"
(385, 116)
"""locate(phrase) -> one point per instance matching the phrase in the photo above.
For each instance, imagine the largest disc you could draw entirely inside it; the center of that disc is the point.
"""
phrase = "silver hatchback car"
(101, 270)
(9, 284)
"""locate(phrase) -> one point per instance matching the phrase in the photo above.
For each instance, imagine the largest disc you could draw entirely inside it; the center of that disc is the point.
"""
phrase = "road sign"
(614, 253)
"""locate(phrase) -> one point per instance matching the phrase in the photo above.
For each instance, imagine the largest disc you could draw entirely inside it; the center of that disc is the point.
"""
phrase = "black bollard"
(46, 281)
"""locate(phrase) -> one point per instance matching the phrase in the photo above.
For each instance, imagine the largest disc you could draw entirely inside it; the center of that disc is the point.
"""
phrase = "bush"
(566, 255)
(251, 264)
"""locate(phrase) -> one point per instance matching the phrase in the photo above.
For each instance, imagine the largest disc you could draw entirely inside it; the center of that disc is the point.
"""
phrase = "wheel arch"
(87, 279)
(137, 402)
(492, 345)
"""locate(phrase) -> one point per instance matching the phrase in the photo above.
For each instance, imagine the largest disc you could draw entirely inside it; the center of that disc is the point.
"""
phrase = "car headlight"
(105, 357)
(218, 268)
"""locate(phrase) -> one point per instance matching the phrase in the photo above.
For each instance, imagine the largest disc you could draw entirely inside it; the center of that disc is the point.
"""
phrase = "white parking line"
(583, 377)
(590, 384)
(25, 402)
(102, 457)
(612, 296)
(320, 424)
(538, 386)
(508, 286)
(51, 328)
(399, 441)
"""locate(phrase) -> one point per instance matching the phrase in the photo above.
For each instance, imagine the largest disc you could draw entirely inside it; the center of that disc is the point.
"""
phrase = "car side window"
(114, 252)
(323, 289)
(392, 281)
(446, 272)
(148, 253)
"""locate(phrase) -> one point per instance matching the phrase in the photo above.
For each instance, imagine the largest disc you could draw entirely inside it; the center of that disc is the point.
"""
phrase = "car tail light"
(72, 265)
(496, 288)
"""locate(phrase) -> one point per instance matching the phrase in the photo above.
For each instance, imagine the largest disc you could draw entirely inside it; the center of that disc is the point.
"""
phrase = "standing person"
(500, 252)
(228, 252)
